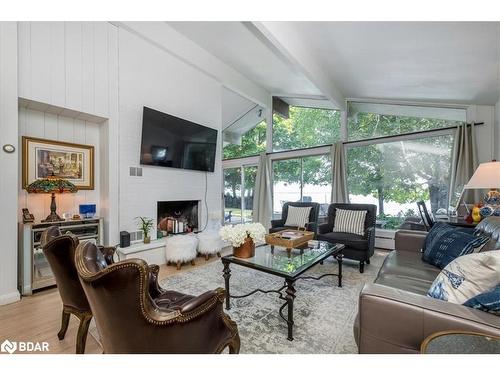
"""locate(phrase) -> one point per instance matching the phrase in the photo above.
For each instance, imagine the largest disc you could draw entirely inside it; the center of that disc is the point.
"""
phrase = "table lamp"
(52, 185)
(487, 176)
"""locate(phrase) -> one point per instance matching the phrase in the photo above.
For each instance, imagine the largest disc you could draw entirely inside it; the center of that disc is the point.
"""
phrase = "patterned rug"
(323, 313)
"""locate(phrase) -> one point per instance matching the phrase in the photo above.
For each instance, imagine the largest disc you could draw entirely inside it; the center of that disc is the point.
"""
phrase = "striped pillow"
(297, 216)
(350, 221)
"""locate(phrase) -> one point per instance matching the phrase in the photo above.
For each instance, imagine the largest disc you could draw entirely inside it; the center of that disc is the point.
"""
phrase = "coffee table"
(289, 265)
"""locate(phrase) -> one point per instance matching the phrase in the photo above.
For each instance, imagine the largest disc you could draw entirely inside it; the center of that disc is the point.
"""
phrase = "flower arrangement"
(237, 234)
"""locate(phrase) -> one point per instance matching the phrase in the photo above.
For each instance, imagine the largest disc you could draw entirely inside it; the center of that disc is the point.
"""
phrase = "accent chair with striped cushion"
(354, 226)
(311, 222)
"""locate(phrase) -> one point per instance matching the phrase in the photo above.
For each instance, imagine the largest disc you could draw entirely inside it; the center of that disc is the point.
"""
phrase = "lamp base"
(53, 215)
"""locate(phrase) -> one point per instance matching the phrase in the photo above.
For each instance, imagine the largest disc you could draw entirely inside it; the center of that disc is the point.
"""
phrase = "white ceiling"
(240, 46)
(455, 62)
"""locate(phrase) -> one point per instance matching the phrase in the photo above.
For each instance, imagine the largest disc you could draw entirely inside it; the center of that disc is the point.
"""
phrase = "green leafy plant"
(145, 225)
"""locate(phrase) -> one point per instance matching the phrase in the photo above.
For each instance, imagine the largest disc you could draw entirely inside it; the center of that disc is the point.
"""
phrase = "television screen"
(169, 141)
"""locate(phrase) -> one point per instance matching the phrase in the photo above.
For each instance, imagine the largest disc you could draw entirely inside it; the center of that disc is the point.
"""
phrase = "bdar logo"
(8, 346)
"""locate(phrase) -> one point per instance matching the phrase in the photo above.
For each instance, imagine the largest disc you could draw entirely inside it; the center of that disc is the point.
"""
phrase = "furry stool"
(181, 249)
(209, 243)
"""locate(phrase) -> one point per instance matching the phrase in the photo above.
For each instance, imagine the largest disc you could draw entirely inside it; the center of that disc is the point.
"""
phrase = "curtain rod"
(403, 134)
(363, 140)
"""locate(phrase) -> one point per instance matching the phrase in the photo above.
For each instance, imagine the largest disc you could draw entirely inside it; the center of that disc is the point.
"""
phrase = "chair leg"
(193, 263)
(178, 265)
(81, 338)
(64, 324)
(362, 266)
(218, 254)
(207, 257)
(368, 261)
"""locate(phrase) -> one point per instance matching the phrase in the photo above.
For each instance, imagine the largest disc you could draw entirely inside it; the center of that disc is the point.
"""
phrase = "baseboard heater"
(384, 238)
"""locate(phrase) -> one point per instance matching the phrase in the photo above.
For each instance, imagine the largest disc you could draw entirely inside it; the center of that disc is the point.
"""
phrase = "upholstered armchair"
(357, 247)
(133, 317)
(311, 225)
(59, 251)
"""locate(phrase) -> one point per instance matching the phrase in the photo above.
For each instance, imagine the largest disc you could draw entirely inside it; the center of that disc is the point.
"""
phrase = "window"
(305, 179)
(371, 120)
(251, 143)
(239, 185)
(394, 175)
(305, 127)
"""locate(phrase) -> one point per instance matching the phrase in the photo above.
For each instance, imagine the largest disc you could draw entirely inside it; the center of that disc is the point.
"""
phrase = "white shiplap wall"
(46, 125)
(65, 64)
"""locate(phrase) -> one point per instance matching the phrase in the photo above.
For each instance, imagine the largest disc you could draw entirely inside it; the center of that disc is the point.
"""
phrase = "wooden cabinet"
(34, 270)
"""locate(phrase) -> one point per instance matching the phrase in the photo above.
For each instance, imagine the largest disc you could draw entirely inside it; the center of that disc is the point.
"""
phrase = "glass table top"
(286, 263)
(461, 343)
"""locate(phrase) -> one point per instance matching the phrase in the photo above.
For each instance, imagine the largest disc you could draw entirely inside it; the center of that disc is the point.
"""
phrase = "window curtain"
(339, 183)
(464, 163)
(262, 202)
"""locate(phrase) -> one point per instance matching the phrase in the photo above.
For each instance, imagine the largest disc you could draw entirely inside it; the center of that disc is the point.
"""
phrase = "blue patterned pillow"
(445, 243)
(488, 301)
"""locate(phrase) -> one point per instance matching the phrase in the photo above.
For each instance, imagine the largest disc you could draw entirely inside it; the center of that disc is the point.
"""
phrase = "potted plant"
(243, 238)
(145, 226)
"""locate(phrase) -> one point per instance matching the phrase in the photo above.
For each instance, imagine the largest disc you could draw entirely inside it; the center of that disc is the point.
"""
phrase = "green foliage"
(145, 224)
(252, 143)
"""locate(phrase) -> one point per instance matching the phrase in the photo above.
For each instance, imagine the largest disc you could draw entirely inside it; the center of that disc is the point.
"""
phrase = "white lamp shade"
(486, 176)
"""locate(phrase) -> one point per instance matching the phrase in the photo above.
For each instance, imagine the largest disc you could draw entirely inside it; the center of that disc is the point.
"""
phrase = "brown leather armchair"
(132, 318)
(59, 251)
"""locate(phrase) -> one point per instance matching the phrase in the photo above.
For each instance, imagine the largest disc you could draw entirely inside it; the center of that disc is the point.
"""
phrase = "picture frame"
(43, 158)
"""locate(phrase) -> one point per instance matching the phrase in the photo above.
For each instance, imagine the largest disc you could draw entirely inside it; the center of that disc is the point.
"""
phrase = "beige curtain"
(339, 183)
(262, 199)
(464, 163)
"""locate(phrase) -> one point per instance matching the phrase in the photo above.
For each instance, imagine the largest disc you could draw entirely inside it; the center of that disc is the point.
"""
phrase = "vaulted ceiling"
(456, 62)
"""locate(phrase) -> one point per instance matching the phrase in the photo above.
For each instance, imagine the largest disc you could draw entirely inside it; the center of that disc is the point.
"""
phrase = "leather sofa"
(394, 313)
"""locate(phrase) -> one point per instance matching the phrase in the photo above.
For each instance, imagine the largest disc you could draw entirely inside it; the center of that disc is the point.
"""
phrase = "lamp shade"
(486, 176)
(51, 185)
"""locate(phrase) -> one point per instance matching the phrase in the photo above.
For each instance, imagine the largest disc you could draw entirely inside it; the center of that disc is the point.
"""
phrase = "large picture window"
(305, 127)
(305, 179)
(239, 185)
(394, 175)
(373, 120)
(251, 143)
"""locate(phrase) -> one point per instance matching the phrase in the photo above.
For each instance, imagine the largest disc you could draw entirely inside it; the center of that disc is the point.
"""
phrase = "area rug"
(323, 313)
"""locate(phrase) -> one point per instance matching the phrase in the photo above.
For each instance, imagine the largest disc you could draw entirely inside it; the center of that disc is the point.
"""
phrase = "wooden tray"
(278, 238)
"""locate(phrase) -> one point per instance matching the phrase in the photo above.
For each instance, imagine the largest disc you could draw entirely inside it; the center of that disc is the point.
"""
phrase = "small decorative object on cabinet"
(34, 270)
(27, 216)
(87, 211)
(145, 226)
(476, 214)
(243, 238)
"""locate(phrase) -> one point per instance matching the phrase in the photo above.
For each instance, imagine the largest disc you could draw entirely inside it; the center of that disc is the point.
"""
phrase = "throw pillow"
(350, 221)
(297, 216)
(445, 243)
(466, 277)
(488, 301)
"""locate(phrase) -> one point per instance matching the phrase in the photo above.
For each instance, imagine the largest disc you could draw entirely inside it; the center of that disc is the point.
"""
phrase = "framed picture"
(43, 158)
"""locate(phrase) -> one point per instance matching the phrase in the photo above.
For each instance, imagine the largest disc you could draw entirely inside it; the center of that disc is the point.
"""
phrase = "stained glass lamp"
(52, 185)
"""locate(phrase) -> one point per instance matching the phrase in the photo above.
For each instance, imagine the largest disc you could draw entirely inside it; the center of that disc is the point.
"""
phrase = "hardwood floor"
(38, 317)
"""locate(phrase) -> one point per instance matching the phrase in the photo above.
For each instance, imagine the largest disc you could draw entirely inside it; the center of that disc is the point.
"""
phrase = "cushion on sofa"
(409, 264)
(488, 301)
(444, 243)
(466, 277)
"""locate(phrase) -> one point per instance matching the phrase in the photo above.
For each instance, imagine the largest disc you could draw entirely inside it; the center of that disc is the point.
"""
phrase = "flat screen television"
(169, 141)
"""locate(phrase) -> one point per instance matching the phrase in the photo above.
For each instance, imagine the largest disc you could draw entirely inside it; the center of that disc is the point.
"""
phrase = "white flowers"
(236, 234)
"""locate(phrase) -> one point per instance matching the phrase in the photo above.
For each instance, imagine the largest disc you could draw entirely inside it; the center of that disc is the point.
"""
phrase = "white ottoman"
(209, 243)
(180, 249)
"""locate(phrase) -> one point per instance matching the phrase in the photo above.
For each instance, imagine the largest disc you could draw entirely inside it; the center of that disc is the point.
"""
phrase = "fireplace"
(177, 216)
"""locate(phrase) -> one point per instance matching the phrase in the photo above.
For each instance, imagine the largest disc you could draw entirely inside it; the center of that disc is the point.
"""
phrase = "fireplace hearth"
(177, 216)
